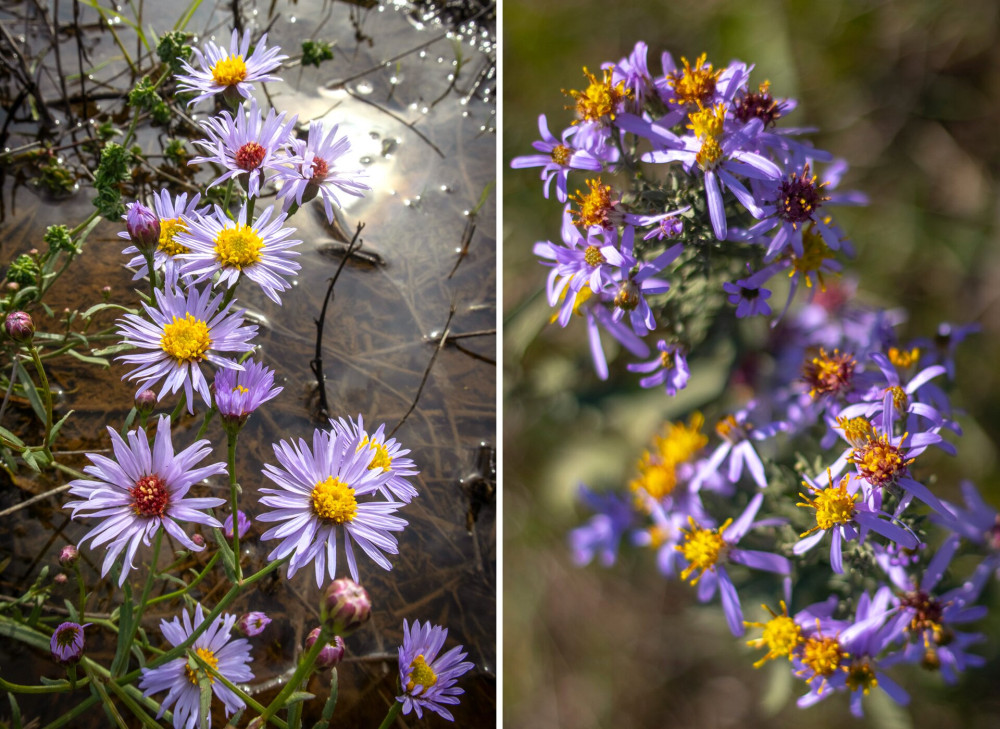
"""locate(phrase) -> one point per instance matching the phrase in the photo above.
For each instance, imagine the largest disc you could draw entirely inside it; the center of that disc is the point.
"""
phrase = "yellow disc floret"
(861, 676)
(833, 505)
(601, 99)
(815, 252)
(702, 548)
(169, 227)
(209, 658)
(707, 125)
(904, 358)
(828, 374)
(381, 459)
(680, 443)
(421, 674)
(823, 656)
(781, 635)
(229, 71)
(238, 247)
(878, 460)
(334, 501)
(693, 85)
(657, 478)
(857, 431)
(186, 340)
(595, 206)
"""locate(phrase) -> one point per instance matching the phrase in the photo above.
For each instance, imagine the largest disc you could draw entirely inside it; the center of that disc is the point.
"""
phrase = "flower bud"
(346, 606)
(19, 326)
(198, 540)
(253, 623)
(242, 521)
(332, 652)
(68, 556)
(67, 643)
(145, 402)
(143, 226)
(60, 579)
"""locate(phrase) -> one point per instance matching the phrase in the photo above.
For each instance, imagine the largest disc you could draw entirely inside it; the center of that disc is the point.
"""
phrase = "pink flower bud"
(19, 326)
(143, 226)
(346, 606)
(332, 652)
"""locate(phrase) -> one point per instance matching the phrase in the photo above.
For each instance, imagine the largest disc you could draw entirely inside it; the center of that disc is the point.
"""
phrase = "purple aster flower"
(172, 212)
(253, 623)
(665, 534)
(141, 491)
(234, 248)
(183, 330)
(978, 522)
(233, 72)
(633, 71)
(635, 281)
(317, 498)
(319, 170)
(601, 535)
(699, 86)
(142, 226)
(246, 143)
(748, 294)
(389, 455)
(581, 261)
(67, 643)
(667, 225)
(242, 521)
(239, 392)
(737, 433)
(557, 159)
(426, 679)
(669, 366)
(705, 548)
(840, 511)
(215, 646)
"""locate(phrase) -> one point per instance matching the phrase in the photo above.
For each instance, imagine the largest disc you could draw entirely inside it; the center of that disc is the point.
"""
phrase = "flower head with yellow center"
(389, 460)
(427, 673)
(708, 125)
(229, 71)
(822, 657)
(878, 460)
(815, 255)
(833, 505)
(326, 494)
(694, 86)
(215, 69)
(680, 443)
(702, 548)
(601, 100)
(829, 374)
(596, 208)
(169, 228)
(781, 636)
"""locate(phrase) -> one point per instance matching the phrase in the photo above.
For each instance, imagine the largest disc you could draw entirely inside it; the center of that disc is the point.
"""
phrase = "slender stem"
(70, 715)
(391, 716)
(303, 671)
(148, 254)
(234, 499)
(229, 194)
(137, 618)
(83, 591)
(249, 700)
(52, 688)
(195, 581)
(47, 395)
(250, 204)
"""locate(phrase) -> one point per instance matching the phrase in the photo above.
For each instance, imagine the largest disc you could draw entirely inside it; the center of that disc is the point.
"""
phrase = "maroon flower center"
(249, 156)
(319, 168)
(151, 496)
(800, 197)
(757, 105)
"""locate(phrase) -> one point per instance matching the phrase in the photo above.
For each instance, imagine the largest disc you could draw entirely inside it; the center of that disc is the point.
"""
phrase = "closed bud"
(331, 654)
(145, 401)
(346, 606)
(60, 579)
(67, 643)
(198, 540)
(19, 326)
(68, 556)
(143, 226)
(242, 521)
(253, 623)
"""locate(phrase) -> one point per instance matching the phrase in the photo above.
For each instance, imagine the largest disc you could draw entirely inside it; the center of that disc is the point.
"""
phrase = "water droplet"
(424, 110)
(364, 87)
(292, 19)
(466, 213)
(366, 160)
(440, 59)
(422, 54)
(445, 188)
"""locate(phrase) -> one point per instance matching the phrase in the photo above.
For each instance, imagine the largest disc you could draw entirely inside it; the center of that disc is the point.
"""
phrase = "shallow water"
(428, 164)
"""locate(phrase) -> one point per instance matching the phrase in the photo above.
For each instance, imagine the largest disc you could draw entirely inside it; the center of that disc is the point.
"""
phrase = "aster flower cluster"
(191, 340)
(820, 478)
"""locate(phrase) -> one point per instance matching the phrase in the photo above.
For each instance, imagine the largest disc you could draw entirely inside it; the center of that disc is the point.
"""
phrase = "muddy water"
(428, 164)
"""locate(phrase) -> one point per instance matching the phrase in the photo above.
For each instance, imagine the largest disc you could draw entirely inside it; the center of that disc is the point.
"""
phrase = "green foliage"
(144, 96)
(59, 239)
(173, 49)
(113, 169)
(315, 52)
(23, 270)
(53, 176)
(176, 152)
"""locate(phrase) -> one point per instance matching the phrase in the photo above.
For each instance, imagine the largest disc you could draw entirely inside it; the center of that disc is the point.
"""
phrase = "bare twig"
(400, 119)
(316, 364)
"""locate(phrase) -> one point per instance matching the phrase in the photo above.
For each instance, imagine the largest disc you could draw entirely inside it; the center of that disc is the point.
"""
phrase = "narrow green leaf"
(99, 361)
(57, 426)
(113, 349)
(10, 437)
(15, 712)
(28, 387)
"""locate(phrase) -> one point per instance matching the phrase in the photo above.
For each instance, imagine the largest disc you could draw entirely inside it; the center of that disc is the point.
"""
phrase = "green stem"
(303, 671)
(148, 254)
(53, 688)
(247, 698)
(234, 487)
(83, 592)
(121, 662)
(229, 194)
(177, 593)
(391, 716)
(44, 381)
(70, 715)
(250, 204)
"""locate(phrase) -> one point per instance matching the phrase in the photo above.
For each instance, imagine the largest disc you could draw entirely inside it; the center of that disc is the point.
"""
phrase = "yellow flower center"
(707, 125)
(601, 98)
(822, 656)
(334, 501)
(861, 676)
(209, 658)
(667, 360)
(781, 635)
(239, 247)
(815, 252)
(903, 358)
(857, 431)
(900, 400)
(240, 389)
(229, 71)
(702, 548)
(694, 85)
(828, 374)
(833, 505)
(186, 340)
(680, 443)
(657, 536)
(382, 458)
(421, 675)
(878, 460)
(561, 155)
(593, 256)
(730, 429)
(594, 205)
(169, 227)
(657, 478)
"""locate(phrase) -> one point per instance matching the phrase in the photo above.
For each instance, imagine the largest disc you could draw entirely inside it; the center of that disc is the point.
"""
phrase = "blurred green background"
(909, 94)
